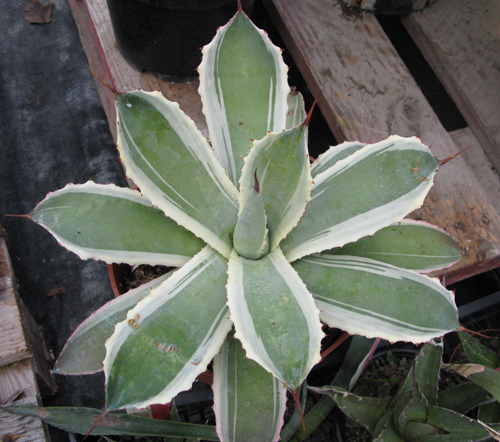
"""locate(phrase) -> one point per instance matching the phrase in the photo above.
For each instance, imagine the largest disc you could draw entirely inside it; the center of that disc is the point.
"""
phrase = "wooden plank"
(94, 25)
(367, 94)
(23, 357)
(461, 42)
(479, 163)
(14, 427)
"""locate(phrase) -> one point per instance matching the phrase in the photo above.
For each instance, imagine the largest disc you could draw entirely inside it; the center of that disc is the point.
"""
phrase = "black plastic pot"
(390, 7)
(166, 36)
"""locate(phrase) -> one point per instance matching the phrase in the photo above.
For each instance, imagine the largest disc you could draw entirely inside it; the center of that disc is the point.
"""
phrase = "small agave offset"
(245, 221)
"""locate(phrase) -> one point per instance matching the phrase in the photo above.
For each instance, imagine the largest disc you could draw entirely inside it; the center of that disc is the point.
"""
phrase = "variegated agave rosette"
(245, 221)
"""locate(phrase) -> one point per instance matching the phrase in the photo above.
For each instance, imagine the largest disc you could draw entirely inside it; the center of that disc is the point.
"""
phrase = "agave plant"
(419, 411)
(244, 216)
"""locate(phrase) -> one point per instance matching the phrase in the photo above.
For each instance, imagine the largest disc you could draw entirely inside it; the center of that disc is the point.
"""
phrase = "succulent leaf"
(370, 298)
(463, 397)
(372, 188)
(413, 245)
(171, 162)
(296, 113)
(478, 353)
(366, 411)
(113, 224)
(274, 316)
(333, 155)
(244, 90)
(246, 394)
(161, 347)
(486, 377)
(85, 350)
(283, 172)
(80, 420)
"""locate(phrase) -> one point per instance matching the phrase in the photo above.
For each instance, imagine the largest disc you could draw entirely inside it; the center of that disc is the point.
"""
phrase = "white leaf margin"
(203, 355)
(106, 255)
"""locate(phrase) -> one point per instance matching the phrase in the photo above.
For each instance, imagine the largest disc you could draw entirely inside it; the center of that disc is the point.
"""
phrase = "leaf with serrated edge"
(460, 428)
(333, 155)
(85, 351)
(163, 345)
(485, 377)
(244, 89)
(478, 353)
(366, 411)
(296, 114)
(81, 420)
(274, 316)
(282, 166)
(114, 224)
(374, 187)
(370, 298)
(413, 245)
(245, 394)
(160, 146)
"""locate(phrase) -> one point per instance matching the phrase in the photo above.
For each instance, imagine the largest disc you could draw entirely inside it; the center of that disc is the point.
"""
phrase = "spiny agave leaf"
(485, 377)
(425, 372)
(385, 431)
(169, 338)
(354, 362)
(173, 164)
(80, 420)
(408, 408)
(456, 427)
(296, 113)
(478, 353)
(374, 187)
(463, 397)
(251, 236)
(413, 245)
(244, 89)
(283, 171)
(85, 351)
(333, 155)
(364, 410)
(489, 412)
(249, 403)
(274, 316)
(114, 224)
(370, 298)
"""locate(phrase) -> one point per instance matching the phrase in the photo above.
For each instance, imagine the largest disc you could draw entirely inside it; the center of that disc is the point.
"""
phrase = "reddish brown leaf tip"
(443, 162)
(111, 88)
(17, 216)
(309, 115)
(240, 8)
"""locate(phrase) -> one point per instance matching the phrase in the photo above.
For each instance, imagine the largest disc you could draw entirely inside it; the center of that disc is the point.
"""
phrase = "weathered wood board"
(23, 358)
(367, 93)
(94, 25)
(461, 42)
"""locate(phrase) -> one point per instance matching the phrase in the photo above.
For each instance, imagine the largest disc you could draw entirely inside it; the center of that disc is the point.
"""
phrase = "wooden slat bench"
(367, 94)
